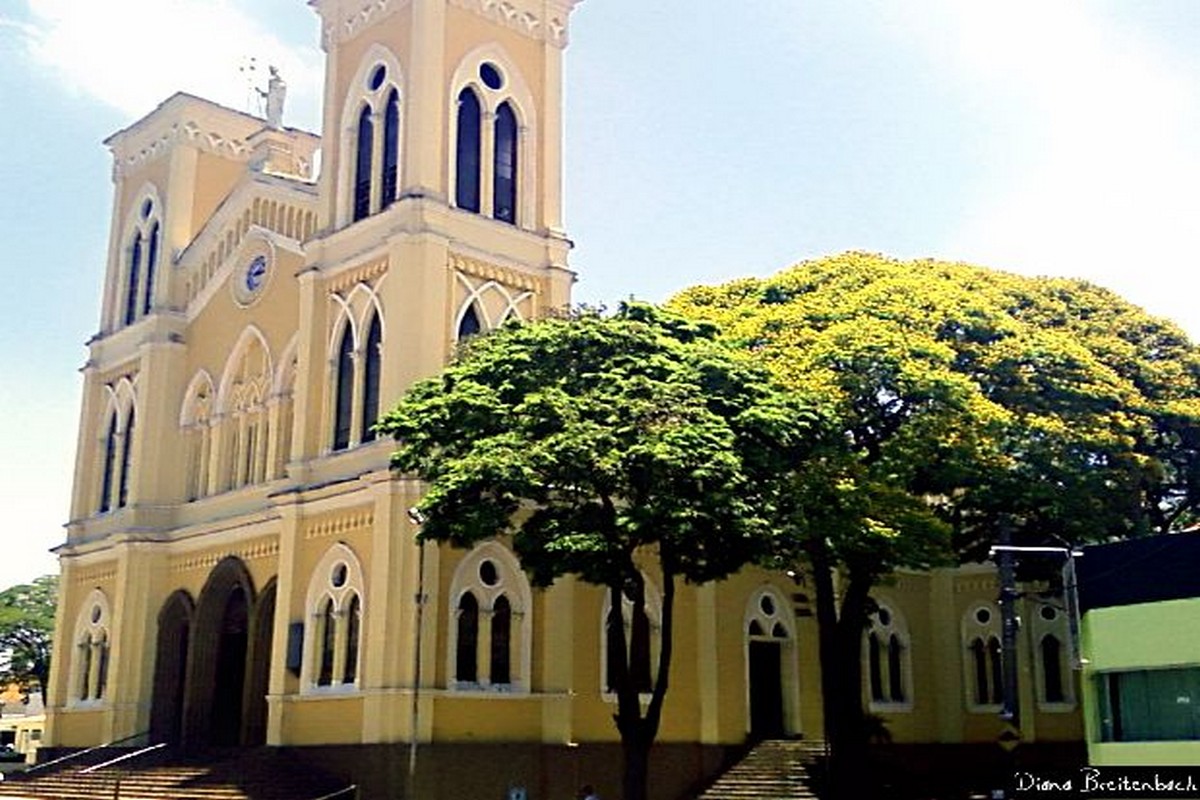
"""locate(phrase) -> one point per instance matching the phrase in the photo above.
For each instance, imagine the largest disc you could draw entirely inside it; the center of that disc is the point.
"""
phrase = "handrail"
(340, 793)
(125, 757)
(84, 752)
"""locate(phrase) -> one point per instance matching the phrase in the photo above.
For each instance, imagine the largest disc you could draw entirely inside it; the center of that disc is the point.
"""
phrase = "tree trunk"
(636, 750)
(839, 633)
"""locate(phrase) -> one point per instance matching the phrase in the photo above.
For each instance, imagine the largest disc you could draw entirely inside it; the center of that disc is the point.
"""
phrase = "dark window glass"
(131, 290)
(126, 461)
(505, 202)
(151, 265)
(371, 376)
(353, 614)
(466, 186)
(997, 670)
(490, 75)
(614, 630)
(391, 149)
(895, 669)
(378, 75)
(469, 325)
(501, 641)
(1052, 675)
(875, 668)
(466, 662)
(344, 391)
(362, 174)
(979, 661)
(85, 669)
(102, 672)
(110, 464)
(756, 628)
(328, 643)
(1150, 705)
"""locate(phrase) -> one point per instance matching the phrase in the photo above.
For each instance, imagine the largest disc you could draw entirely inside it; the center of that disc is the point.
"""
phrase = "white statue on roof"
(276, 93)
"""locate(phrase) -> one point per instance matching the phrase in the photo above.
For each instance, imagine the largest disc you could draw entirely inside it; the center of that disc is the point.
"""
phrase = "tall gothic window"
(467, 179)
(151, 262)
(344, 391)
(353, 627)
(1052, 673)
(362, 175)
(110, 464)
(391, 150)
(371, 375)
(466, 657)
(501, 655)
(332, 643)
(126, 462)
(134, 275)
(328, 644)
(504, 205)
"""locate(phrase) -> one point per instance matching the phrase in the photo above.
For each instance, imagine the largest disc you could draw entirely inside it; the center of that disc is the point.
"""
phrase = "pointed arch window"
(391, 150)
(151, 263)
(469, 325)
(344, 391)
(504, 204)
(110, 465)
(501, 655)
(1052, 673)
(353, 628)
(134, 279)
(888, 664)
(126, 462)
(466, 658)
(328, 644)
(371, 377)
(362, 171)
(467, 179)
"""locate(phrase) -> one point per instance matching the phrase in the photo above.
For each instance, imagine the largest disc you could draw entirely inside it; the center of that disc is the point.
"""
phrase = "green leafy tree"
(602, 444)
(969, 398)
(26, 632)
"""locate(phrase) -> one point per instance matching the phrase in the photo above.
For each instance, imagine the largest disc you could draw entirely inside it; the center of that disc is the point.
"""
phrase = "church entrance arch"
(170, 668)
(224, 692)
(770, 665)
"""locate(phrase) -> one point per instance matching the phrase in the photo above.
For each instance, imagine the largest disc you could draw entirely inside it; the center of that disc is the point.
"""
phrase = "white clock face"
(250, 281)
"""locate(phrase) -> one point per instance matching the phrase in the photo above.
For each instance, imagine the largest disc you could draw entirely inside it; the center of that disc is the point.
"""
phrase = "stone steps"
(252, 774)
(774, 769)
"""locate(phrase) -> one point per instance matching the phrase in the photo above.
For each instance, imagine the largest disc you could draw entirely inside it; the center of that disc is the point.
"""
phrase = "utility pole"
(1011, 708)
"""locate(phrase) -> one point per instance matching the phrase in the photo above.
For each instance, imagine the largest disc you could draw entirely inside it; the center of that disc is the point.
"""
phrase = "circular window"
(491, 76)
(983, 616)
(885, 617)
(767, 605)
(96, 614)
(1049, 613)
(378, 76)
(488, 573)
(338, 576)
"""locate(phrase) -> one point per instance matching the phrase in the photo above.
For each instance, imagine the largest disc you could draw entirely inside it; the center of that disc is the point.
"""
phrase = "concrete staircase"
(250, 774)
(774, 769)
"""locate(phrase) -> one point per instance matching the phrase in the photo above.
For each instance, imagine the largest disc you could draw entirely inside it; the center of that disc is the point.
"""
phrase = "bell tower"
(440, 194)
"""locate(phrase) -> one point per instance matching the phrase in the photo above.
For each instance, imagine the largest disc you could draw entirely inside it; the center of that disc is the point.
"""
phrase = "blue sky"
(705, 140)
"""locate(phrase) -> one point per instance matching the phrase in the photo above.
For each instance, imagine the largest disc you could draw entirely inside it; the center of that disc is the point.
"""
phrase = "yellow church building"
(240, 568)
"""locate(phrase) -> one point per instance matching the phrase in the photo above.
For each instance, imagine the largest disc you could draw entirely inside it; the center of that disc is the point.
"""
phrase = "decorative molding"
(188, 133)
(363, 16)
(364, 274)
(494, 272)
(263, 548)
(533, 18)
(101, 574)
(339, 524)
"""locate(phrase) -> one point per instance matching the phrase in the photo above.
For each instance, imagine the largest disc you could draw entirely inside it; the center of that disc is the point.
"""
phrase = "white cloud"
(1107, 190)
(132, 54)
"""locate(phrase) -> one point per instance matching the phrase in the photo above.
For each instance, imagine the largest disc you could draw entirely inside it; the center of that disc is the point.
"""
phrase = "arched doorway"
(228, 658)
(770, 665)
(170, 668)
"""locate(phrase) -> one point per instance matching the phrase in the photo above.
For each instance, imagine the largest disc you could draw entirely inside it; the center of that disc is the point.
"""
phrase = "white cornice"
(544, 20)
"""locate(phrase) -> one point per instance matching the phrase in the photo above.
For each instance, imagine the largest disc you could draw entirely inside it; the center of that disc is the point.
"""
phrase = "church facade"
(240, 567)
